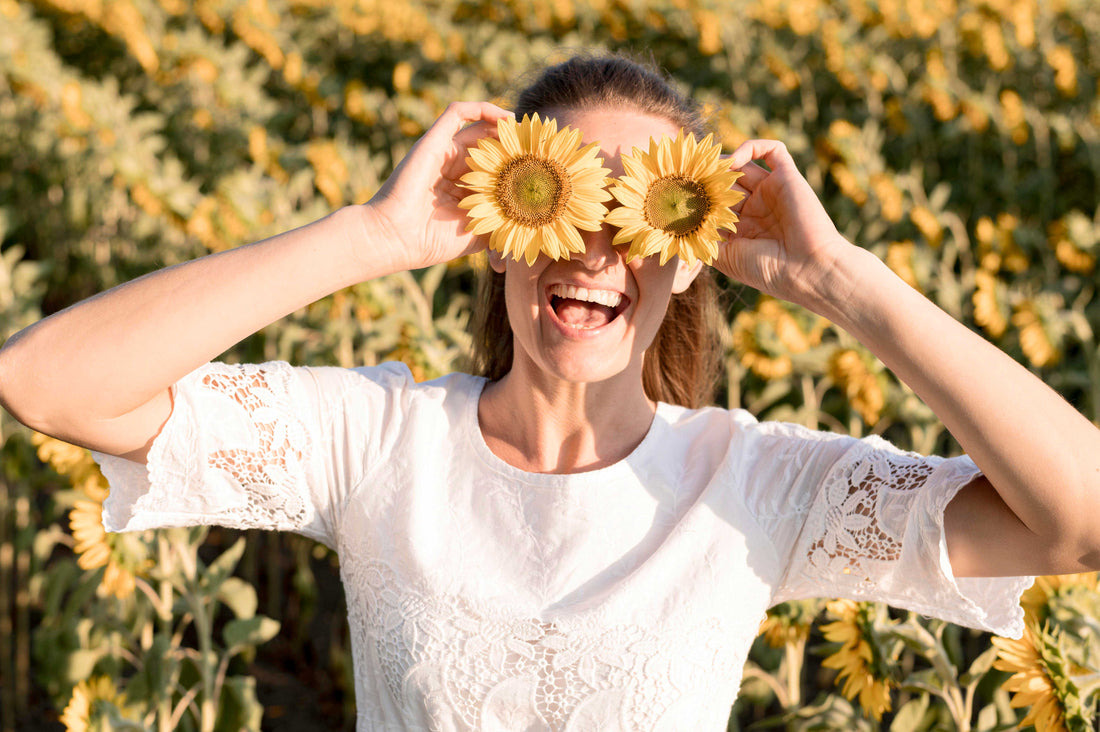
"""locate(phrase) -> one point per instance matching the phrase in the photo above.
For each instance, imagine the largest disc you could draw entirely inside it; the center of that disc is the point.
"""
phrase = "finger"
(458, 115)
(470, 134)
(753, 176)
(773, 152)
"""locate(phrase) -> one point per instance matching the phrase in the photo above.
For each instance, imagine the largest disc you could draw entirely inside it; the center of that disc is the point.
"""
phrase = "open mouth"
(585, 309)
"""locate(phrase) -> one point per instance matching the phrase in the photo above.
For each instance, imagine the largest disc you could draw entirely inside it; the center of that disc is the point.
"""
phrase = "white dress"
(481, 597)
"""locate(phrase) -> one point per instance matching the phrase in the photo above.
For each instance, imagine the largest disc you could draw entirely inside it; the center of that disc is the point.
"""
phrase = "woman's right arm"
(99, 373)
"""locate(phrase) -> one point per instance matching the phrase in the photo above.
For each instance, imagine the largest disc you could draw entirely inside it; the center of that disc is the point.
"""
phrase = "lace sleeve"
(873, 530)
(241, 449)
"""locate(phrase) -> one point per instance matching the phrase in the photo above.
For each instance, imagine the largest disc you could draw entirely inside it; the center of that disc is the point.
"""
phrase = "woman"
(554, 547)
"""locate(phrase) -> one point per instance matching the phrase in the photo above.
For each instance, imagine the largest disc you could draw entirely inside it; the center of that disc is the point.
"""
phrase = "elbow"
(18, 393)
(1076, 541)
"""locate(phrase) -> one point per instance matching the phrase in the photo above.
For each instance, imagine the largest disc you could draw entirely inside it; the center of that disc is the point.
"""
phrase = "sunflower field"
(959, 140)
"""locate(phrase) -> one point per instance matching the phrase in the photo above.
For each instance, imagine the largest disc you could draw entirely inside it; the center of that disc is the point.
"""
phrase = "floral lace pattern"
(862, 516)
(499, 672)
(270, 468)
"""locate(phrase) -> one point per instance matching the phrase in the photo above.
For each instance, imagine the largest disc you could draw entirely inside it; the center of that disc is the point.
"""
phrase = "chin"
(591, 368)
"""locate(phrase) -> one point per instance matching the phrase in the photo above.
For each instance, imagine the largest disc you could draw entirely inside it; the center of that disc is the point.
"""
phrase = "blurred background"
(959, 140)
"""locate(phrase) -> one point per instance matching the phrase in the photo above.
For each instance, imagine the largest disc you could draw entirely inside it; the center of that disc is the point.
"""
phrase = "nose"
(598, 252)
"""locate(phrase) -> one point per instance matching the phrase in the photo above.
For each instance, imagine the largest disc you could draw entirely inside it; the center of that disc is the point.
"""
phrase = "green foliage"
(956, 139)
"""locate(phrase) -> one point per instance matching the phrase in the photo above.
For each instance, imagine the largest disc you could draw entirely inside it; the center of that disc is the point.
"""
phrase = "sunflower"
(123, 556)
(86, 706)
(857, 373)
(534, 188)
(1060, 589)
(990, 308)
(674, 199)
(789, 623)
(765, 338)
(1040, 680)
(861, 667)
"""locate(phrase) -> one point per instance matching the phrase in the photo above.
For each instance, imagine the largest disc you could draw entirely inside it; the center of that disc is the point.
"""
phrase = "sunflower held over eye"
(674, 199)
(534, 188)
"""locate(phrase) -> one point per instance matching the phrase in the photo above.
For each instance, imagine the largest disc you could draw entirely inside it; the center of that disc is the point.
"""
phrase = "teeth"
(610, 298)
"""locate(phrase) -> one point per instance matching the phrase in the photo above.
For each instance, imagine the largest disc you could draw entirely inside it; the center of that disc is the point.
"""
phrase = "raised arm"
(1033, 511)
(98, 373)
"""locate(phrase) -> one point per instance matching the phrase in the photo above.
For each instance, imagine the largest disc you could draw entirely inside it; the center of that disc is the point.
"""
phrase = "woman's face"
(590, 318)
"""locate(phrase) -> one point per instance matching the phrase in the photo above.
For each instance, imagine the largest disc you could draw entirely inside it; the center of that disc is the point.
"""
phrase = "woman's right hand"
(415, 215)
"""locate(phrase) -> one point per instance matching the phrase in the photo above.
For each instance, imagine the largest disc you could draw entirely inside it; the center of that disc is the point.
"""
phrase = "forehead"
(617, 131)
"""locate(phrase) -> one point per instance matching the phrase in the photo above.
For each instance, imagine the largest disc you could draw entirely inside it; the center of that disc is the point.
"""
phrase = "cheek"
(654, 280)
(521, 294)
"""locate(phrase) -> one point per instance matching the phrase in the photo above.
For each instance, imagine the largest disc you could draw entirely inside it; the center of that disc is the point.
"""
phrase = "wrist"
(849, 286)
(375, 244)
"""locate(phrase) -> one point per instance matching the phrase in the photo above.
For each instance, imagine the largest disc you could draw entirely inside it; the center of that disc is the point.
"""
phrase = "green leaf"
(240, 710)
(238, 596)
(980, 667)
(82, 662)
(910, 718)
(925, 680)
(222, 567)
(250, 631)
(987, 719)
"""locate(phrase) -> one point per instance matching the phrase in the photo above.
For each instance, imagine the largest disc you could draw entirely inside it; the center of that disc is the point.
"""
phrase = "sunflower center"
(533, 191)
(676, 204)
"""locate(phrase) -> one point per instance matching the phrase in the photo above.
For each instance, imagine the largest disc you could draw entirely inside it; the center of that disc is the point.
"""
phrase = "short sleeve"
(266, 446)
(866, 523)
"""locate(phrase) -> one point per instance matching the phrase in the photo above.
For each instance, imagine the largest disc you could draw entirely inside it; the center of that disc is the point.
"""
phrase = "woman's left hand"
(785, 244)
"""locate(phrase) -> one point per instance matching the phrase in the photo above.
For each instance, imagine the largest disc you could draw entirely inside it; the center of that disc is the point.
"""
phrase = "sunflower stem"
(794, 657)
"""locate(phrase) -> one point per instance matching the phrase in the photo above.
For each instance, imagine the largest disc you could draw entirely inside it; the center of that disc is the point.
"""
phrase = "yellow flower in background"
(928, 224)
(1014, 115)
(789, 623)
(856, 659)
(1039, 333)
(1035, 599)
(890, 197)
(1033, 683)
(122, 556)
(1061, 60)
(765, 338)
(990, 309)
(534, 188)
(82, 712)
(900, 257)
(851, 372)
(674, 199)
(1074, 240)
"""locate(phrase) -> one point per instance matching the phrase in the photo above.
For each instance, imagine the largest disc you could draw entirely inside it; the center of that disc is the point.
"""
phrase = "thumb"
(750, 261)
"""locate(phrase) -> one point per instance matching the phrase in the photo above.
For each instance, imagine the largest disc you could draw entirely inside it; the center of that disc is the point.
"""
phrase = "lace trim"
(523, 673)
(866, 506)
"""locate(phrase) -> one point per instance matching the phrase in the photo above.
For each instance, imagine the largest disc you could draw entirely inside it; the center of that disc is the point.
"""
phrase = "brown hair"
(681, 366)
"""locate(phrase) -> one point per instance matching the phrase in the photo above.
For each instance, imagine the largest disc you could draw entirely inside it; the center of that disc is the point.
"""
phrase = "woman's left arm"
(1035, 509)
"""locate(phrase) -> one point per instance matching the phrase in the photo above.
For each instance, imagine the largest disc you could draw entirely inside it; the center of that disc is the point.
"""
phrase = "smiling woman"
(569, 538)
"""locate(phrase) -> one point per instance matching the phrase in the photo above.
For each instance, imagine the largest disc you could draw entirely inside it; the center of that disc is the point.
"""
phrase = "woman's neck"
(543, 425)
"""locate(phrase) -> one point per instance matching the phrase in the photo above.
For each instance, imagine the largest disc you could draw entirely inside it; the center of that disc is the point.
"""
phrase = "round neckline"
(606, 475)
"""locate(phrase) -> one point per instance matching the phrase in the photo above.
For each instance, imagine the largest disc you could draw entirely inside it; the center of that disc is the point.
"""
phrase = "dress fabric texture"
(481, 597)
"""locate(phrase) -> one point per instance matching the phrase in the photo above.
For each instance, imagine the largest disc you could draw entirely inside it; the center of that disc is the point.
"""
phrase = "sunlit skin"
(587, 407)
